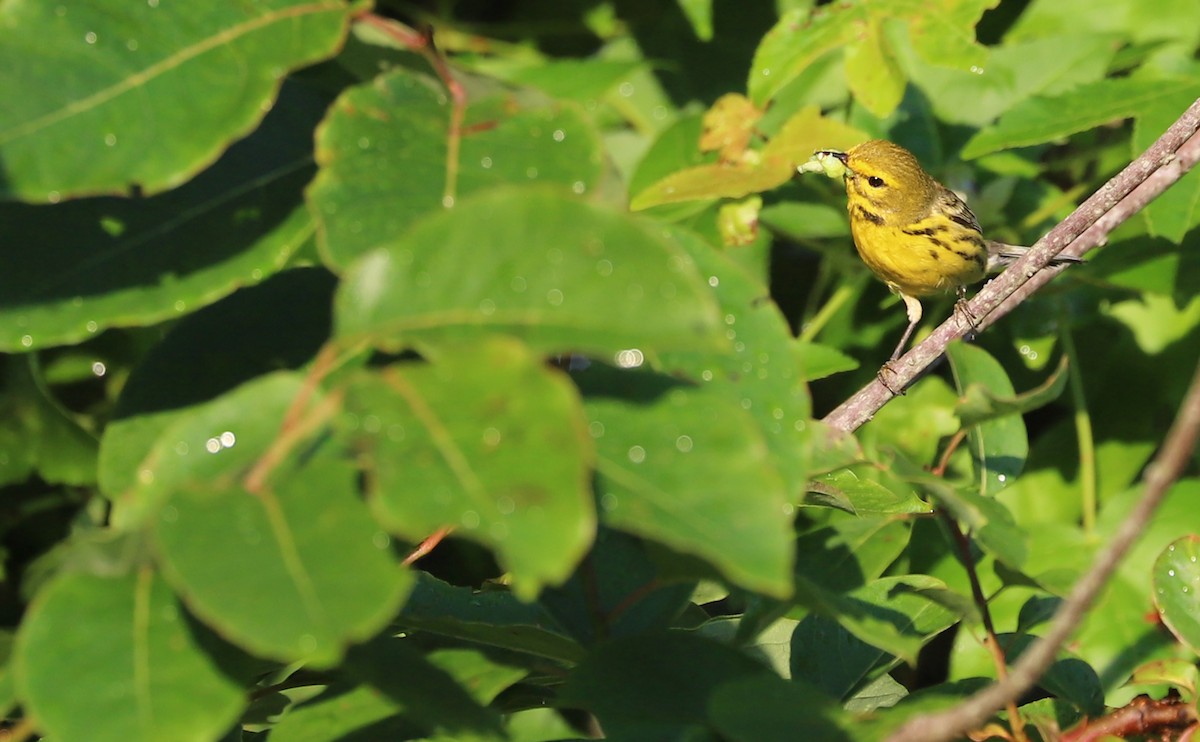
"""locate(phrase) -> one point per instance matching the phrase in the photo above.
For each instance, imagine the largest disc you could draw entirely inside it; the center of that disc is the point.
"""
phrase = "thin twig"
(1175, 152)
(1167, 466)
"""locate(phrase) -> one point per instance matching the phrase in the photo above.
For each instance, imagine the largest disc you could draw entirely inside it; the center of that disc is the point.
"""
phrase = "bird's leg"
(914, 318)
(913, 308)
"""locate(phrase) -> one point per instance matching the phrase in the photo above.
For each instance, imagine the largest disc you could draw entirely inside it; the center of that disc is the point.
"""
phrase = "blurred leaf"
(900, 614)
(492, 618)
(427, 693)
(582, 80)
(151, 678)
(487, 441)
(96, 263)
(278, 324)
(1180, 674)
(229, 546)
(1013, 73)
(692, 470)
(872, 71)
(804, 133)
(1169, 19)
(1177, 590)
(999, 443)
(831, 658)
(37, 434)
(798, 220)
(386, 141)
(980, 405)
(729, 125)
(105, 101)
(762, 375)
(614, 681)
(770, 709)
(943, 34)
(699, 14)
(1177, 210)
(1048, 118)
(821, 361)
(351, 713)
(560, 274)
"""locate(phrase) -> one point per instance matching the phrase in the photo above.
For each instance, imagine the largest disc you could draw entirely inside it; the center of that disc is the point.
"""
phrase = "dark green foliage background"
(272, 313)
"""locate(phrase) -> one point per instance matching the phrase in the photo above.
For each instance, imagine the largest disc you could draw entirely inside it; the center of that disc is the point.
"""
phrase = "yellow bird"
(913, 232)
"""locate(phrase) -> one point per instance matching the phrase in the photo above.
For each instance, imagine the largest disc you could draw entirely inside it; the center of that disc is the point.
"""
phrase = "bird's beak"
(837, 155)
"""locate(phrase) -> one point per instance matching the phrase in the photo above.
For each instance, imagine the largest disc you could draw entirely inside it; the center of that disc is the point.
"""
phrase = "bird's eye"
(875, 181)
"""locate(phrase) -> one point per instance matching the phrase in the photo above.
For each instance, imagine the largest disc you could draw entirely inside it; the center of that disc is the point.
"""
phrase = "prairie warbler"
(913, 232)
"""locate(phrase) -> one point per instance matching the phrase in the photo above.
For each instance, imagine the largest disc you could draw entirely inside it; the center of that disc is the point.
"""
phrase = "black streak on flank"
(934, 254)
(961, 219)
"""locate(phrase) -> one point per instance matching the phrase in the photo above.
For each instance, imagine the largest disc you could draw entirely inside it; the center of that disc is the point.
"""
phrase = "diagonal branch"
(1175, 152)
(1167, 466)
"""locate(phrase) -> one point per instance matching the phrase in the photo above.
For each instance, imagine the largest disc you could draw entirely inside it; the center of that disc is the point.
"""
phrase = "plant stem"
(1083, 429)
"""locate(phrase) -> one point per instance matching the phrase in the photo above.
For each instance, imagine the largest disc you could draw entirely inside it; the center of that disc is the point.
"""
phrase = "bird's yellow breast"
(931, 256)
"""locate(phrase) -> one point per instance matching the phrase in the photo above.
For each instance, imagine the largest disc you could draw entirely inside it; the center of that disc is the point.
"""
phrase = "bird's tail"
(1001, 254)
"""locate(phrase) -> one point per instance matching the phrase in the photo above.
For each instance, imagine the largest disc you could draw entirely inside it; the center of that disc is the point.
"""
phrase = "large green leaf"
(277, 324)
(104, 97)
(385, 157)
(138, 672)
(561, 274)
(487, 441)
(79, 267)
(763, 374)
(770, 709)
(691, 469)
(1048, 118)
(294, 569)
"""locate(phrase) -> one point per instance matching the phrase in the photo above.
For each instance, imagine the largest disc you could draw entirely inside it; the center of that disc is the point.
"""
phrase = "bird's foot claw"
(888, 375)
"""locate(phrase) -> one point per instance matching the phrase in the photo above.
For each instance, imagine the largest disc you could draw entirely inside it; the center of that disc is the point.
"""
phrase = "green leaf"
(849, 551)
(771, 709)
(582, 80)
(494, 618)
(1013, 73)
(990, 522)
(763, 374)
(37, 433)
(825, 654)
(1048, 118)
(999, 443)
(943, 34)
(346, 712)
(1175, 211)
(151, 678)
(561, 274)
(1177, 590)
(102, 101)
(487, 441)
(289, 545)
(900, 614)
(280, 323)
(184, 452)
(426, 692)
(872, 71)
(659, 678)
(384, 158)
(96, 263)
(699, 14)
(979, 404)
(691, 469)
(862, 495)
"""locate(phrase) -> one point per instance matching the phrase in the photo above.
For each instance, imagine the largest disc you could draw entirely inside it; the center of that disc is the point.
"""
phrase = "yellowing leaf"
(729, 125)
(799, 137)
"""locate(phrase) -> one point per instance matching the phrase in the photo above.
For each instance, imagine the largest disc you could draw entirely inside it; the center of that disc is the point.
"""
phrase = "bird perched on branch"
(913, 232)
